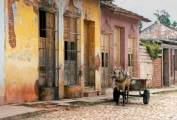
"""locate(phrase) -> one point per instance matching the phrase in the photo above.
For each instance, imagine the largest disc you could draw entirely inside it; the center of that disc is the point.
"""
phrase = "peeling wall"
(150, 69)
(158, 32)
(90, 10)
(2, 50)
(130, 30)
(21, 66)
(22, 49)
(146, 66)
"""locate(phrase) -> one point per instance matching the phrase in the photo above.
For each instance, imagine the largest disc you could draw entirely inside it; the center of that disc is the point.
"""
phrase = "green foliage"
(153, 49)
(163, 16)
(140, 26)
(174, 24)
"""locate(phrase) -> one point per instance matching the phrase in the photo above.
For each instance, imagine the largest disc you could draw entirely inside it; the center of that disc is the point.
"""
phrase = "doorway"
(117, 46)
(166, 67)
(105, 61)
(47, 56)
(89, 35)
(131, 56)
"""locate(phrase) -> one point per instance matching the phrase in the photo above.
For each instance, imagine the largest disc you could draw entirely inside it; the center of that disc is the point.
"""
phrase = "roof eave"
(136, 16)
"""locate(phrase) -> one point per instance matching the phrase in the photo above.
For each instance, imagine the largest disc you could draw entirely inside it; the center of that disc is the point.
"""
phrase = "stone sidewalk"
(12, 111)
(15, 111)
(166, 89)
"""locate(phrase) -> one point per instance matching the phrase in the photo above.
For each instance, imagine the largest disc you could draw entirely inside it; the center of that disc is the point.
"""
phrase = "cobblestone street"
(161, 107)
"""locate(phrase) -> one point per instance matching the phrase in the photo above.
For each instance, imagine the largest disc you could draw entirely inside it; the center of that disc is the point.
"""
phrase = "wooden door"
(105, 55)
(70, 51)
(166, 66)
(131, 56)
(47, 48)
(89, 35)
(117, 51)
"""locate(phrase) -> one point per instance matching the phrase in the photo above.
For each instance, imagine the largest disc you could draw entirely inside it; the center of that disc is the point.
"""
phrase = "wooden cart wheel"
(146, 96)
(115, 94)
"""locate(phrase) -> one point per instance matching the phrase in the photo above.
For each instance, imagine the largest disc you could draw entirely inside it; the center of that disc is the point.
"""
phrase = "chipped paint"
(22, 56)
(129, 30)
(11, 18)
(90, 10)
(21, 65)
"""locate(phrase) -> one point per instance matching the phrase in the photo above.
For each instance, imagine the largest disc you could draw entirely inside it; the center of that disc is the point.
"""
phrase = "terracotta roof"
(123, 11)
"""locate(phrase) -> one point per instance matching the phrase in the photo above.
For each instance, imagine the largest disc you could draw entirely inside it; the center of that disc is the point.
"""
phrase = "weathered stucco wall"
(22, 49)
(131, 30)
(150, 69)
(146, 66)
(91, 12)
(21, 52)
(2, 50)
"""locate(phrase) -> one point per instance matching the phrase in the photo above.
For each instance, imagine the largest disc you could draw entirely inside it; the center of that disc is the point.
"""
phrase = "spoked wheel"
(146, 96)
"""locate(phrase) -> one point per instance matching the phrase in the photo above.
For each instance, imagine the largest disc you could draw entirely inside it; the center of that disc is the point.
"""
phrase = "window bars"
(132, 56)
(105, 55)
(48, 49)
(71, 50)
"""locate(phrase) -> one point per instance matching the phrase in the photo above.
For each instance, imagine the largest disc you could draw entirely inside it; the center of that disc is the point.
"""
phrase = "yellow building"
(52, 49)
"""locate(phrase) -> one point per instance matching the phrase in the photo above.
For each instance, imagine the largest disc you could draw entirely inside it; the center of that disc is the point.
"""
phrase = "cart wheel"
(115, 94)
(146, 96)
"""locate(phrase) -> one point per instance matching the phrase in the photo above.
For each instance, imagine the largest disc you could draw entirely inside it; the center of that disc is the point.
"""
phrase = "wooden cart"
(138, 85)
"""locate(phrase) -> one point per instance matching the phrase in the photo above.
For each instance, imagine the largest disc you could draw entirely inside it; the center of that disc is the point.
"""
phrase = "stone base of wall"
(73, 91)
(157, 73)
(1, 100)
(48, 93)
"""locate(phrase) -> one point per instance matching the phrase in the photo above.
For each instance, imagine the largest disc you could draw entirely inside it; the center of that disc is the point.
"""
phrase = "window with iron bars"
(47, 49)
(71, 49)
(132, 56)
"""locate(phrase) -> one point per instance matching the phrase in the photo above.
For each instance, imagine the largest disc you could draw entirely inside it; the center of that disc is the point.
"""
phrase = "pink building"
(119, 40)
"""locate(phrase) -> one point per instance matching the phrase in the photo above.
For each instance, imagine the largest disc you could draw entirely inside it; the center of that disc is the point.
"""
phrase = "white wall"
(2, 40)
(146, 65)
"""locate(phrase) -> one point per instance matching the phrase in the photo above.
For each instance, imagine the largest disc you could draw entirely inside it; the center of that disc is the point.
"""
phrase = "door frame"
(53, 91)
(87, 25)
(109, 67)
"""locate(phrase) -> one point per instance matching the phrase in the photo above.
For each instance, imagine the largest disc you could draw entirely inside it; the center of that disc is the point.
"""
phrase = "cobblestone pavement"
(161, 107)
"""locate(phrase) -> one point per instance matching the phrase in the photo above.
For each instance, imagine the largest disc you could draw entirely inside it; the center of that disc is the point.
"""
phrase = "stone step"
(92, 93)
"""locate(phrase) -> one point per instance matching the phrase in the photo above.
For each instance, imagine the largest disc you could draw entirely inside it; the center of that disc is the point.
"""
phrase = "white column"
(2, 48)
(61, 6)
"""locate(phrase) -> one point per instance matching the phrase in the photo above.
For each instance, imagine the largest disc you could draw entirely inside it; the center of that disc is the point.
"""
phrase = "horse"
(122, 84)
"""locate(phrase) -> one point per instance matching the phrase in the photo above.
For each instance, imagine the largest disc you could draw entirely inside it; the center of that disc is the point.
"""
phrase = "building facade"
(48, 51)
(53, 49)
(164, 68)
(119, 41)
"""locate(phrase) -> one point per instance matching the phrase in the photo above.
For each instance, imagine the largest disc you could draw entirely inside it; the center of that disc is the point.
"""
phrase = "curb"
(24, 115)
(72, 104)
(43, 111)
(164, 91)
